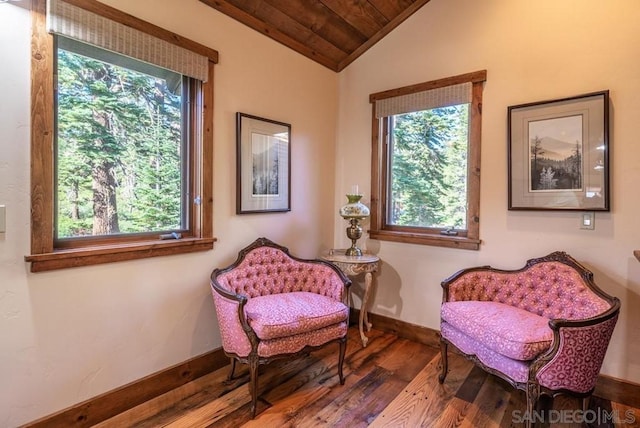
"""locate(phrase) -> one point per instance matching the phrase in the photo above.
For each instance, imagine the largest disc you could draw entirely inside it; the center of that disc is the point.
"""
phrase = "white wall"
(68, 335)
(532, 51)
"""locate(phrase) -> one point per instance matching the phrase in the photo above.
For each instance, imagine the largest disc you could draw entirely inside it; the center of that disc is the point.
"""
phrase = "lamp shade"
(354, 208)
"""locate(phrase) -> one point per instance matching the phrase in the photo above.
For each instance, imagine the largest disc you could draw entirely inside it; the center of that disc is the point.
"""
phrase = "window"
(120, 146)
(426, 163)
(121, 138)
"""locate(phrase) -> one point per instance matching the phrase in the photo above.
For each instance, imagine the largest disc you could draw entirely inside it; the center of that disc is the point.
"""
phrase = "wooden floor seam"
(392, 382)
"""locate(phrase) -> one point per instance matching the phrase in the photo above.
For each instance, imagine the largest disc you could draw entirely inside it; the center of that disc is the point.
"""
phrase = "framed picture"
(559, 154)
(263, 165)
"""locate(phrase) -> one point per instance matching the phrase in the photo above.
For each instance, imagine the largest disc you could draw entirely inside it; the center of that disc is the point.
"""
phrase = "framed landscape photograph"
(559, 154)
(263, 165)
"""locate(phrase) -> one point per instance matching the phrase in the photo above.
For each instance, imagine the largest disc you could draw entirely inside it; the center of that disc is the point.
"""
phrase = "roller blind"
(424, 100)
(76, 23)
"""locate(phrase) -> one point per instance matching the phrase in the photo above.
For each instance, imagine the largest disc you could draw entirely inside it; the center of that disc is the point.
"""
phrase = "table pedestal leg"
(364, 317)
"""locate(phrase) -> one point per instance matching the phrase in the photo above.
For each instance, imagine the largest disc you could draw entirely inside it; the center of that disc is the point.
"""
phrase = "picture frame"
(558, 154)
(263, 170)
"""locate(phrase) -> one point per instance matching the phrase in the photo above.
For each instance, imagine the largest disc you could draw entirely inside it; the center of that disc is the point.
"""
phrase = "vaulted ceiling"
(331, 32)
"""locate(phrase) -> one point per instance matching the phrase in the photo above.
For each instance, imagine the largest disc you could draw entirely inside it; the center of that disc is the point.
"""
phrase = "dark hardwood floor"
(390, 383)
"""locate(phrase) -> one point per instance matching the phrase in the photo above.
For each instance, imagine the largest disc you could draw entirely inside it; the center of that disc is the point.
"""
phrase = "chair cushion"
(516, 370)
(509, 331)
(288, 314)
(293, 344)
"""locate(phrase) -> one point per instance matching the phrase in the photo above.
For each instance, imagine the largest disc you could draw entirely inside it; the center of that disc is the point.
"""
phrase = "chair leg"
(585, 403)
(343, 348)
(533, 393)
(443, 361)
(253, 383)
(233, 369)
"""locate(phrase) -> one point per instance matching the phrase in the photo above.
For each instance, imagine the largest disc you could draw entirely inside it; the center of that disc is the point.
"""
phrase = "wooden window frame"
(44, 253)
(380, 229)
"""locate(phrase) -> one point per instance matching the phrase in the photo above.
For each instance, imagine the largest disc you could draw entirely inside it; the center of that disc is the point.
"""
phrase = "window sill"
(460, 242)
(62, 259)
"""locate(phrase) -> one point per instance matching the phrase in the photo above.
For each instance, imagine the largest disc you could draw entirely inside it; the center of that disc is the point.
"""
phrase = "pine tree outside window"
(426, 160)
(121, 145)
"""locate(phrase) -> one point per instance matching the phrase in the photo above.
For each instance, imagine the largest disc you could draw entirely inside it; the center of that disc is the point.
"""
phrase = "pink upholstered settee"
(544, 328)
(270, 304)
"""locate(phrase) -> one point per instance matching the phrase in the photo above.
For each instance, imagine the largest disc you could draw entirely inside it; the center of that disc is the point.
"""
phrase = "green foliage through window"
(428, 168)
(120, 153)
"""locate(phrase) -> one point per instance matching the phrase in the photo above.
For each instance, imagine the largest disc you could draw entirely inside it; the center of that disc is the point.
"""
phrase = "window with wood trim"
(425, 185)
(122, 143)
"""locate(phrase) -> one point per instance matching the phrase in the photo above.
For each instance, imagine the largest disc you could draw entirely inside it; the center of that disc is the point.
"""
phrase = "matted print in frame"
(559, 154)
(263, 165)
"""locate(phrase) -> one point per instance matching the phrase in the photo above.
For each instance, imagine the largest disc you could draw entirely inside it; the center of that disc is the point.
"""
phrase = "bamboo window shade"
(424, 100)
(79, 24)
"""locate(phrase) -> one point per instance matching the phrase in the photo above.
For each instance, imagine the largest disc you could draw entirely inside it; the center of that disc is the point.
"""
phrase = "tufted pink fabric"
(272, 305)
(544, 328)
(281, 315)
(578, 361)
(509, 331)
(268, 270)
(550, 289)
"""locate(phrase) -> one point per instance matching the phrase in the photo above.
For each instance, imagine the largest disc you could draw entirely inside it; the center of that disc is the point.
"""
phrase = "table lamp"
(354, 211)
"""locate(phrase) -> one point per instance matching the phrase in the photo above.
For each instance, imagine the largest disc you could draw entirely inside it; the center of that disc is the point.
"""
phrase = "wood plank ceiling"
(331, 32)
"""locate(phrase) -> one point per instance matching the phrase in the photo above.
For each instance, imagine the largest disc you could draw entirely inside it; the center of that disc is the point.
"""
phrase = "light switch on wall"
(588, 220)
(3, 219)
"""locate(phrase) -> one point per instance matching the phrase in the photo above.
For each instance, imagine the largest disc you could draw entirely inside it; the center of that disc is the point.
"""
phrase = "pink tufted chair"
(544, 328)
(272, 305)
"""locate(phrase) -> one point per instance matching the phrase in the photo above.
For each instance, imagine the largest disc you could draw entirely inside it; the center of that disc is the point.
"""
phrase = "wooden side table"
(353, 266)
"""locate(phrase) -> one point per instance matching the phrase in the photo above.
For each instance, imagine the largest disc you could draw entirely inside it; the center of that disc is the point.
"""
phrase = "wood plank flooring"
(390, 383)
